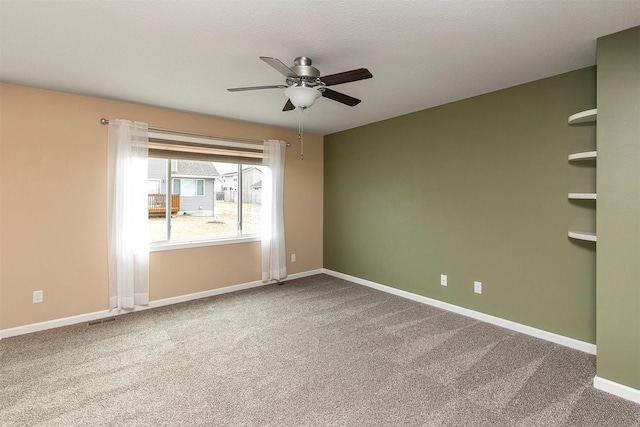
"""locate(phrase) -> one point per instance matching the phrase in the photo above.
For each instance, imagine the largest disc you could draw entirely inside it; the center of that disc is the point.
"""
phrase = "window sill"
(186, 244)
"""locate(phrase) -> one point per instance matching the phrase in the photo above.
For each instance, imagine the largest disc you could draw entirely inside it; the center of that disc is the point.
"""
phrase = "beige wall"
(53, 206)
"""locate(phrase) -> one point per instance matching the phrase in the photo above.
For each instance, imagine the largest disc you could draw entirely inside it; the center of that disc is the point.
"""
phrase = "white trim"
(89, 317)
(508, 324)
(225, 290)
(304, 274)
(169, 245)
(617, 389)
(203, 294)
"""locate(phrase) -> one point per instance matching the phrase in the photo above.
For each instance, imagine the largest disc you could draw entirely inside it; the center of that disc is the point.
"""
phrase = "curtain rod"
(184, 132)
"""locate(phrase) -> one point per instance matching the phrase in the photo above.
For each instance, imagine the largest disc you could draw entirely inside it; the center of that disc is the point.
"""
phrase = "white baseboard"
(518, 327)
(305, 274)
(617, 389)
(98, 315)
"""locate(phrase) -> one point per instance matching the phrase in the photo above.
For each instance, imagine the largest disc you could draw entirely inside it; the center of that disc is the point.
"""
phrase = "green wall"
(618, 260)
(476, 189)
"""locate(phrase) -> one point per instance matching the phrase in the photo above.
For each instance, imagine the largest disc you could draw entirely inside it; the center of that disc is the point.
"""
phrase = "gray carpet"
(315, 351)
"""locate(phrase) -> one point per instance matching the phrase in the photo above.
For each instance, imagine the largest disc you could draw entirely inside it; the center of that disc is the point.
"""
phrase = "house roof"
(184, 55)
(196, 169)
(244, 170)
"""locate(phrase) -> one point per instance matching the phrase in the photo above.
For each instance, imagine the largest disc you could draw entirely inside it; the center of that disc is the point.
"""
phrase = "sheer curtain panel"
(127, 214)
(274, 262)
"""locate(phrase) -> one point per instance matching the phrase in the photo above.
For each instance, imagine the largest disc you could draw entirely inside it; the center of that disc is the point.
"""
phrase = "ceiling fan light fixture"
(302, 96)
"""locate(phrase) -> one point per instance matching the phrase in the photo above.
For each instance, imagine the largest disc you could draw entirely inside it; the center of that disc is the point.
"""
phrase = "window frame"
(179, 178)
(158, 181)
(168, 245)
(176, 146)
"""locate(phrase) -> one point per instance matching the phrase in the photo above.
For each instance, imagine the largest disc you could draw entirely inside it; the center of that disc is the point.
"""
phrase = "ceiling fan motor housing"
(302, 67)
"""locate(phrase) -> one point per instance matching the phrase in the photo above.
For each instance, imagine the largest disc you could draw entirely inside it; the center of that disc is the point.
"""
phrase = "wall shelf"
(586, 155)
(583, 235)
(587, 116)
(584, 117)
(583, 196)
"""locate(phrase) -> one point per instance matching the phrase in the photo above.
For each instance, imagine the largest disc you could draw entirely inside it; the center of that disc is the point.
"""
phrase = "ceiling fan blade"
(346, 77)
(341, 97)
(240, 89)
(279, 65)
(289, 106)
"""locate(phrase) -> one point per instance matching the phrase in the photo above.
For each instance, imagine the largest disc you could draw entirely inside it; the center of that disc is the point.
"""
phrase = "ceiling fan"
(304, 84)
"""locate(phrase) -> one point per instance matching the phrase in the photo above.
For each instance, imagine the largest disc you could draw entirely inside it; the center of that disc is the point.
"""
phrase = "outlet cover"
(293, 257)
(38, 296)
(477, 287)
(443, 279)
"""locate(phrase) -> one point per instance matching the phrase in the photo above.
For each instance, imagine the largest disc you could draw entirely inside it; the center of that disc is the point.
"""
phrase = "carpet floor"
(316, 351)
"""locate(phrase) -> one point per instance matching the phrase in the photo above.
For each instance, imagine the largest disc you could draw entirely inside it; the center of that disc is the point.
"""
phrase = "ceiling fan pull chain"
(301, 133)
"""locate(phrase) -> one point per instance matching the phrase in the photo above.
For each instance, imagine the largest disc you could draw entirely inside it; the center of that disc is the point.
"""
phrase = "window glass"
(154, 186)
(208, 204)
(188, 187)
(251, 199)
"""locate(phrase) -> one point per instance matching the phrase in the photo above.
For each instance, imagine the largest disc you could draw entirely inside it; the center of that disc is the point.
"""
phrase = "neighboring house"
(193, 181)
(251, 185)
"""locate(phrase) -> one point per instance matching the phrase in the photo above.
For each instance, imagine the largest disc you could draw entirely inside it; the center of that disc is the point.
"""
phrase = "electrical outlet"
(443, 279)
(293, 257)
(477, 287)
(38, 296)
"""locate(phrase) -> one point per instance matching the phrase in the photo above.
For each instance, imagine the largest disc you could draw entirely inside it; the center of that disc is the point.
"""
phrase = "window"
(154, 186)
(188, 187)
(211, 189)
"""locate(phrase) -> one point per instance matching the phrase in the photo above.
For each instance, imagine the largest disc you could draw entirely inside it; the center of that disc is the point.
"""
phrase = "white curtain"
(127, 214)
(274, 262)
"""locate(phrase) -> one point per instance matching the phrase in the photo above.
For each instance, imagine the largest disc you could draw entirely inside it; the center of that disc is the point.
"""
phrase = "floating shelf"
(584, 117)
(587, 155)
(583, 196)
(583, 235)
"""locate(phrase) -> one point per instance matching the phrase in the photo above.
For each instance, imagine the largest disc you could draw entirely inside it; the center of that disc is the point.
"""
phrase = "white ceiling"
(184, 54)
